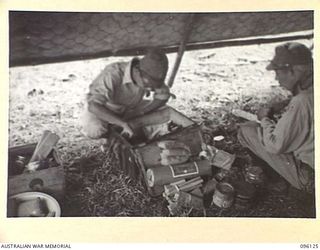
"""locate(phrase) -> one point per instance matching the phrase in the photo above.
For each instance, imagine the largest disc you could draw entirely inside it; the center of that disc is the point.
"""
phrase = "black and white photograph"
(161, 114)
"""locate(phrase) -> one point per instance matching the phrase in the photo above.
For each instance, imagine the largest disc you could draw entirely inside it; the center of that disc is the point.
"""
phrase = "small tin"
(189, 200)
(244, 195)
(254, 175)
(223, 195)
(21, 161)
(222, 174)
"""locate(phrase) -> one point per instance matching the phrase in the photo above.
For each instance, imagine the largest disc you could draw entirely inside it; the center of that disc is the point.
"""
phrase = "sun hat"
(289, 54)
(154, 65)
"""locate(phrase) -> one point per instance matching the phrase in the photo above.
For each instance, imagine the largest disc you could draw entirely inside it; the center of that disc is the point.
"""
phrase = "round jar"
(223, 195)
(254, 175)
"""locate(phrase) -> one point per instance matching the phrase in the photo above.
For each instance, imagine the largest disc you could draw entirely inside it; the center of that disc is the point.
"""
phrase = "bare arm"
(106, 115)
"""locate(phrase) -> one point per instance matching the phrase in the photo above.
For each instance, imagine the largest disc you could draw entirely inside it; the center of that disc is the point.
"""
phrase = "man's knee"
(93, 132)
(91, 126)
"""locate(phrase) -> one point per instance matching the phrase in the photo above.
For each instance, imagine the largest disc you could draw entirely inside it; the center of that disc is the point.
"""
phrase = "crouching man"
(117, 94)
(288, 144)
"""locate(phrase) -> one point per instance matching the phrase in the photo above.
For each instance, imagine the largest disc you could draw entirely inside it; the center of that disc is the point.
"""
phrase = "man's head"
(153, 68)
(291, 63)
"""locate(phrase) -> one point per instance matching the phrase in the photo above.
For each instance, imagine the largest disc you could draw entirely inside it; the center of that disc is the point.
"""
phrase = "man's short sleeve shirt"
(115, 89)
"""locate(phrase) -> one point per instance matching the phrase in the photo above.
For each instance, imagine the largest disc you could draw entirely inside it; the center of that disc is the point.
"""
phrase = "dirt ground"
(209, 84)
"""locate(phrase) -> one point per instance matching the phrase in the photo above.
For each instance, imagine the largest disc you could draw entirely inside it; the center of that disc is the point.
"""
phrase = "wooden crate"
(47, 180)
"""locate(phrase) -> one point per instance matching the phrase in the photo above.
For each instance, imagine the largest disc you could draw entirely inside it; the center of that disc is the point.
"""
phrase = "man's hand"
(126, 130)
(265, 112)
(279, 106)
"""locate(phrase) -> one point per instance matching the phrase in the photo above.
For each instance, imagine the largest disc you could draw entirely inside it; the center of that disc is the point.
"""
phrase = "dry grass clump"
(102, 189)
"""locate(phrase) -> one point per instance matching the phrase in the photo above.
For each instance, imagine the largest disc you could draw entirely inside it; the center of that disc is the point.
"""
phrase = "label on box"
(223, 159)
(184, 169)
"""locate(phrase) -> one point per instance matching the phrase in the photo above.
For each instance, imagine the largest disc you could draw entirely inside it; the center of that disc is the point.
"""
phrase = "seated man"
(117, 94)
(288, 144)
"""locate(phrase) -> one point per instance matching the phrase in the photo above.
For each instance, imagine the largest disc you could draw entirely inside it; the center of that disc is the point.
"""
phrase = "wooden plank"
(52, 179)
(44, 146)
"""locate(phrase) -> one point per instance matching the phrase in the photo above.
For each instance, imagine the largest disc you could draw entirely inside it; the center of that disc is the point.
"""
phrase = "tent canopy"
(46, 37)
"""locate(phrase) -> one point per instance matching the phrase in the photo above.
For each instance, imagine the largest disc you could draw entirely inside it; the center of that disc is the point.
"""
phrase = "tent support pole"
(182, 47)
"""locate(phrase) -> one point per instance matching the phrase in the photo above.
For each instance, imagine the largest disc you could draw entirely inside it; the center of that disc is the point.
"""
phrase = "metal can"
(221, 175)
(189, 200)
(223, 195)
(21, 161)
(254, 175)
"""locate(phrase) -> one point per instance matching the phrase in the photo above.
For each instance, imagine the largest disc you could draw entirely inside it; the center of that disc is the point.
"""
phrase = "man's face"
(147, 82)
(142, 80)
(286, 78)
